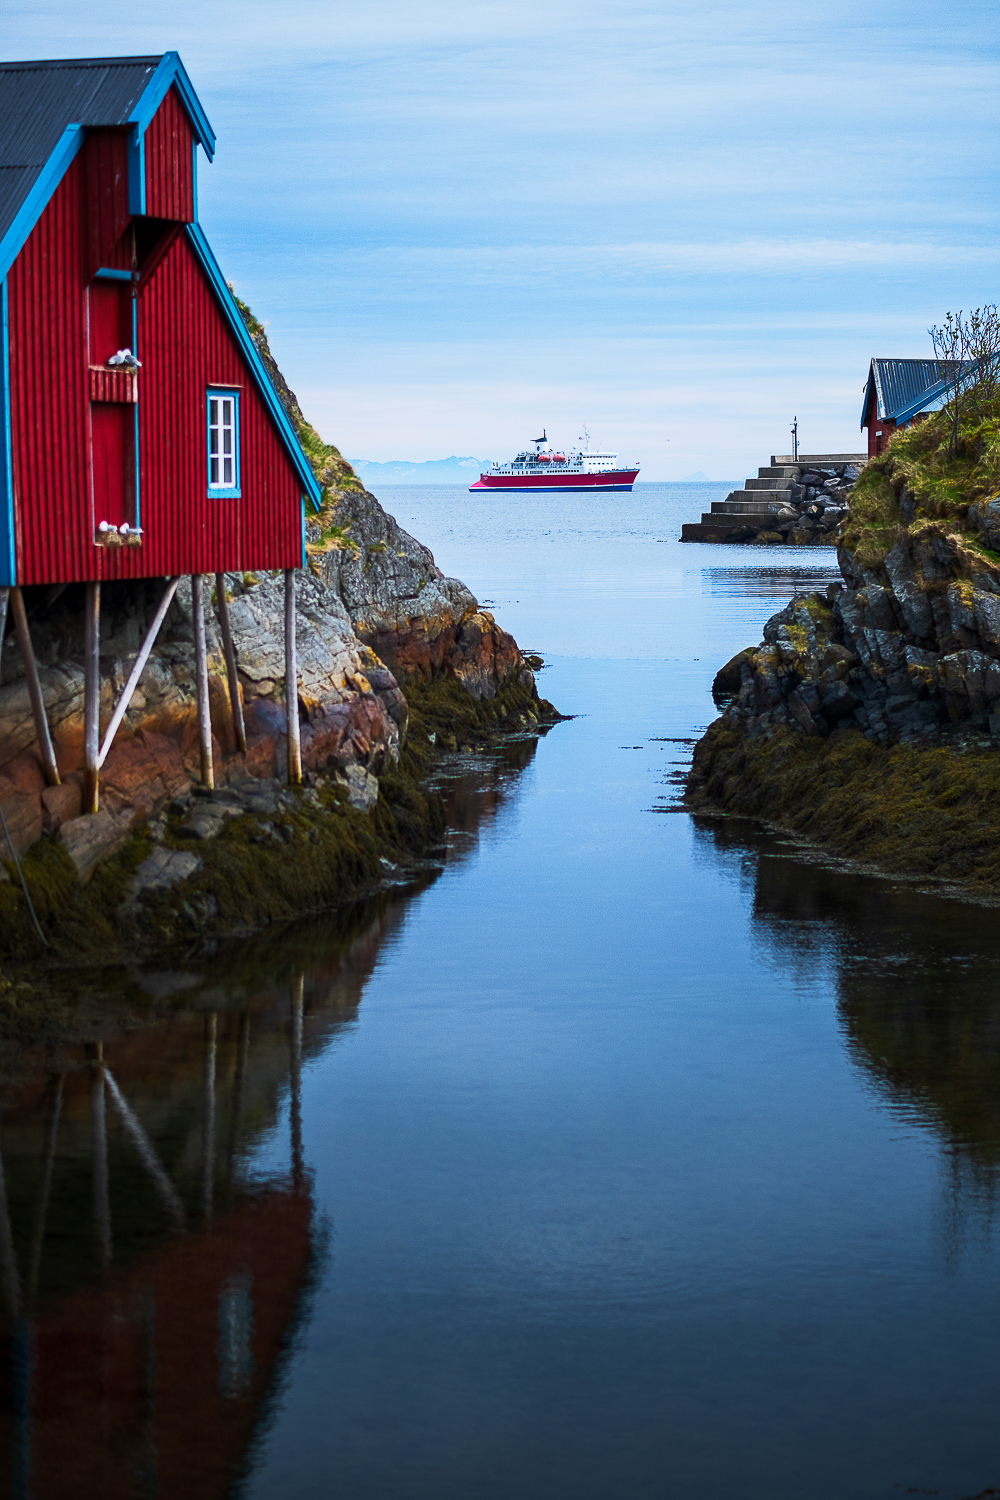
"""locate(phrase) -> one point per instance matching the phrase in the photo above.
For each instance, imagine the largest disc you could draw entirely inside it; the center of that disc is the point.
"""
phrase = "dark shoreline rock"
(272, 855)
(926, 812)
(868, 718)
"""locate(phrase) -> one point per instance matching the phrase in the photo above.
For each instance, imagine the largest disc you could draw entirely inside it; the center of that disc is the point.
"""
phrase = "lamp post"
(795, 440)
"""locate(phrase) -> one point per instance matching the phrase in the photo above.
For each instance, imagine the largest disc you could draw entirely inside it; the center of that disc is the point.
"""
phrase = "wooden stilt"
(91, 698)
(201, 680)
(292, 684)
(236, 703)
(4, 596)
(138, 668)
(34, 687)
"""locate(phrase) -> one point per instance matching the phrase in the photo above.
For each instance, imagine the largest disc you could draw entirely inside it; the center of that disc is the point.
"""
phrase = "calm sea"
(629, 1155)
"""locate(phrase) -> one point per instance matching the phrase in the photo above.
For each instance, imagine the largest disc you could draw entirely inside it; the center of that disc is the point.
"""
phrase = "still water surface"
(632, 1155)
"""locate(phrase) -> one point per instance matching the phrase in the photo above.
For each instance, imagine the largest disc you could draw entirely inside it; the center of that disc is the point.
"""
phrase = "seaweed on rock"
(869, 719)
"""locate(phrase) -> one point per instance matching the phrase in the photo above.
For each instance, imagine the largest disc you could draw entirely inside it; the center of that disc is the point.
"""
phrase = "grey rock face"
(401, 606)
(906, 649)
(362, 788)
(163, 869)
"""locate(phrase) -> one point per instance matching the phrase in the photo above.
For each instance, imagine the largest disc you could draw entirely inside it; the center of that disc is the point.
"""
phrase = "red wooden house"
(901, 391)
(141, 435)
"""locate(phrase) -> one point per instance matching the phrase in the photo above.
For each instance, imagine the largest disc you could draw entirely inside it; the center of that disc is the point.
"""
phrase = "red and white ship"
(551, 472)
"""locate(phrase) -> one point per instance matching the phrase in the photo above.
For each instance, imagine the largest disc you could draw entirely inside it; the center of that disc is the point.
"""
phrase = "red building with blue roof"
(101, 251)
(140, 434)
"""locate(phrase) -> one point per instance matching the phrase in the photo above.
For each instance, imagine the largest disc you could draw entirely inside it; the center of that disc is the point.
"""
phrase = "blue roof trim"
(227, 301)
(933, 397)
(45, 185)
(8, 567)
(170, 70)
(937, 395)
(136, 171)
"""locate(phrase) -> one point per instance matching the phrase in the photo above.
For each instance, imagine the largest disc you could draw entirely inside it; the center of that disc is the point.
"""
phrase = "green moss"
(321, 855)
(76, 919)
(820, 611)
(922, 811)
(942, 484)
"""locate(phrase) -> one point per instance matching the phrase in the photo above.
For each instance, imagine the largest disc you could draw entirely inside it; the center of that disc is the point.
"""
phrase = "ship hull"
(553, 484)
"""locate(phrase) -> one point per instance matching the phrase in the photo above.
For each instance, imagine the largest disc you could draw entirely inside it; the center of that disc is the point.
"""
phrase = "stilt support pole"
(91, 698)
(201, 680)
(292, 684)
(138, 667)
(239, 728)
(34, 687)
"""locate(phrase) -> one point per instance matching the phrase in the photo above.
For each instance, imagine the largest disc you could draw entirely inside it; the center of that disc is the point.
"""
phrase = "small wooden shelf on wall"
(113, 385)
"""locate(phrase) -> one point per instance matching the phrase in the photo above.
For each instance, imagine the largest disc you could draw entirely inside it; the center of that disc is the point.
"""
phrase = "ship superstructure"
(549, 470)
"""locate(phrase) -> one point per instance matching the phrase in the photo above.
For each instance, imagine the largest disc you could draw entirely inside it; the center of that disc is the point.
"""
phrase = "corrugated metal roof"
(901, 382)
(39, 99)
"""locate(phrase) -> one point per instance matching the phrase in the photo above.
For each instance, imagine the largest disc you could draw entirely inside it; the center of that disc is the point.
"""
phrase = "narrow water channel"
(629, 1155)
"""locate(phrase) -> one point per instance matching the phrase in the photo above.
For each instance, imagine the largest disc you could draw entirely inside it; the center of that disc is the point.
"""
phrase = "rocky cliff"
(892, 674)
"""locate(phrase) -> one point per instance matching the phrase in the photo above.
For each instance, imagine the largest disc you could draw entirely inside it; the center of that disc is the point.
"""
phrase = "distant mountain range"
(444, 471)
(431, 471)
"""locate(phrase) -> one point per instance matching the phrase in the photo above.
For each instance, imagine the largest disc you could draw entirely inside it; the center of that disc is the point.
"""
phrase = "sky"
(682, 224)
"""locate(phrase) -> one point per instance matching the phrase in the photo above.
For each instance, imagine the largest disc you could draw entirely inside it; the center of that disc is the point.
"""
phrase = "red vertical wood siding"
(110, 310)
(119, 256)
(105, 166)
(169, 148)
(185, 345)
(47, 304)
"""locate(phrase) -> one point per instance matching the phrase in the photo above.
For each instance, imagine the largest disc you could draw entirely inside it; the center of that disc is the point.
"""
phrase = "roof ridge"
(80, 62)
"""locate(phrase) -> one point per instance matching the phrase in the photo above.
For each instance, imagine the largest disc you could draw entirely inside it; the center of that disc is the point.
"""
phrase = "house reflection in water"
(152, 1288)
(152, 1280)
(917, 997)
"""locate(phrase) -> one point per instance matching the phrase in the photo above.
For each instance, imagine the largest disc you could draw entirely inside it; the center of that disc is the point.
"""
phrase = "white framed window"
(224, 443)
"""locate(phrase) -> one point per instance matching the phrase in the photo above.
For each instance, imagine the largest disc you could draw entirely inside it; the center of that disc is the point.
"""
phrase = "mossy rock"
(324, 856)
(923, 811)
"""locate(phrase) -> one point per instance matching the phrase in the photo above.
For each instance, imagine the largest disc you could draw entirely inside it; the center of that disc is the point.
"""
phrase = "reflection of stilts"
(8, 1259)
(208, 1135)
(99, 1148)
(149, 1158)
(21, 1354)
(45, 1190)
(298, 990)
(239, 1078)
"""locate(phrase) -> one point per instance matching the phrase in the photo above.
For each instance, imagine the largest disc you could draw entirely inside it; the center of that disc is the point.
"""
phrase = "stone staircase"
(769, 493)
